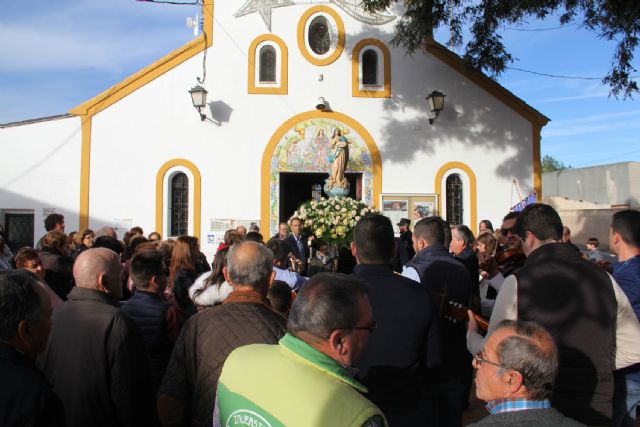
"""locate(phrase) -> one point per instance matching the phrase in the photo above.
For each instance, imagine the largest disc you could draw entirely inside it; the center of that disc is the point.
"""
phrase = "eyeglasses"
(505, 231)
(480, 360)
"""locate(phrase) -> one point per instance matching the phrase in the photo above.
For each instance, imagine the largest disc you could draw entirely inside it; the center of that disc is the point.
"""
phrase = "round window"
(319, 36)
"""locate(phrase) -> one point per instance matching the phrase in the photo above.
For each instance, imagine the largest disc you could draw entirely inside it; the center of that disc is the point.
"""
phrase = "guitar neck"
(483, 324)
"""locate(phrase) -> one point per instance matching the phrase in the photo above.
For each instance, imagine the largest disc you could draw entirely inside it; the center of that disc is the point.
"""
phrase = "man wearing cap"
(406, 236)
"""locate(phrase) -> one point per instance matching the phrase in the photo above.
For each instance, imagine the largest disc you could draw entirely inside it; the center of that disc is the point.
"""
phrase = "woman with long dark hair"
(211, 288)
(186, 266)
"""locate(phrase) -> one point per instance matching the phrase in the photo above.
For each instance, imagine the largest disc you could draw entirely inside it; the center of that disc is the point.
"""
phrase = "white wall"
(41, 169)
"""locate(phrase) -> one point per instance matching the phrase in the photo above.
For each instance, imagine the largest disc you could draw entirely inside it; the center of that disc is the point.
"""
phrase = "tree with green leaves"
(550, 164)
(617, 20)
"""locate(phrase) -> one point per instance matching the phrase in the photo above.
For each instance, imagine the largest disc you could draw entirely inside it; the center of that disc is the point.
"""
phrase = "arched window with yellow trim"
(371, 69)
(268, 66)
(178, 199)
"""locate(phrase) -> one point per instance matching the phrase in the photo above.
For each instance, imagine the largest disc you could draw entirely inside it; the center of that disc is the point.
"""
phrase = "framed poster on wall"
(413, 206)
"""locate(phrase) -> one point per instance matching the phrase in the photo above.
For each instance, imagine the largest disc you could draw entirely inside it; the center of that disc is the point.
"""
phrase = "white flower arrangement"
(332, 220)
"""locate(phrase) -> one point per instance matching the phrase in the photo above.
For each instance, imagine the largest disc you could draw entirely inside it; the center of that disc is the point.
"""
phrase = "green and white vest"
(290, 384)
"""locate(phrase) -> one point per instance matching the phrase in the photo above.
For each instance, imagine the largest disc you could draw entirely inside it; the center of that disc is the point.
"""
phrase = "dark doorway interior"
(296, 188)
(19, 228)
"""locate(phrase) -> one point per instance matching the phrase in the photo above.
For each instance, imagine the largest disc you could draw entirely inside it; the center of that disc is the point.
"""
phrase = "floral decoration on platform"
(333, 219)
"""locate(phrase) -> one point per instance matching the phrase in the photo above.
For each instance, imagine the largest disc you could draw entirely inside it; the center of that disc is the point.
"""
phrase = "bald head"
(105, 231)
(99, 269)
(250, 264)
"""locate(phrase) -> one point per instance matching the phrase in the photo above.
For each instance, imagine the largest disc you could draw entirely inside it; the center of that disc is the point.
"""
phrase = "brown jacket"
(188, 391)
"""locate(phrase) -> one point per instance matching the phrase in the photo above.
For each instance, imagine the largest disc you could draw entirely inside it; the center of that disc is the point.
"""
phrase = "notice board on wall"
(413, 206)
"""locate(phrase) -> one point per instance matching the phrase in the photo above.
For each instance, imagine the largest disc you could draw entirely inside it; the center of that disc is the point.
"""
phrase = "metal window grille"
(179, 204)
(454, 199)
(267, 64)
(370, 67)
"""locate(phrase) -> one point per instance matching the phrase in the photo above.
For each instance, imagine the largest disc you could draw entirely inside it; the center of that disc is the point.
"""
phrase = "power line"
(560, 76)
(541, 29)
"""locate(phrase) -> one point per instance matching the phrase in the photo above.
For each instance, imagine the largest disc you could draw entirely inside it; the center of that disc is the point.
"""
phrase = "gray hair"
(328, 301)
(252, 270)
(533, 354)
(465, 234)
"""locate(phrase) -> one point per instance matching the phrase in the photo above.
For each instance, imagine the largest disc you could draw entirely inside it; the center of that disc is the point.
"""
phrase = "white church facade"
(139, 153)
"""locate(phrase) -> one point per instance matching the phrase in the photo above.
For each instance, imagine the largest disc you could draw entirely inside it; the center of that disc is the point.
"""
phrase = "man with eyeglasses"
(588, 315)
(515, 373)
(307, 379)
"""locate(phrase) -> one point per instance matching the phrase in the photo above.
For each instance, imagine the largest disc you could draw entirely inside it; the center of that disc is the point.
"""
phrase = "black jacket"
(438, 272)
(26, 400)
(149, 311)
(574, 300)
(405, 344)
(57, 271)
(97, 363)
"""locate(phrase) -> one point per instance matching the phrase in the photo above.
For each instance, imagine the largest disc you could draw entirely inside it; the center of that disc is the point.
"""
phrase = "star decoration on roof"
(263, 7)
(351, 7)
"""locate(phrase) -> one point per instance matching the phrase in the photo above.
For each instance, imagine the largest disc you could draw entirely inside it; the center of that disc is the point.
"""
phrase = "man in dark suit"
(406, 236)
(460, 247)
(405, 344)
(298, 245)
(447, 278)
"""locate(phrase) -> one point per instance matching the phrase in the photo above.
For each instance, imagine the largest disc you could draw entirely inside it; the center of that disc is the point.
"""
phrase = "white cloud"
(89, 36)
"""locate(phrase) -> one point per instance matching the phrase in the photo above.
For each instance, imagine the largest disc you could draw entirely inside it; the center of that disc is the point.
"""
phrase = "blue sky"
(56, 55)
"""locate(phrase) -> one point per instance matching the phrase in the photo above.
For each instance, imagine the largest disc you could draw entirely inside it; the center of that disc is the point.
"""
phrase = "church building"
(282, 78)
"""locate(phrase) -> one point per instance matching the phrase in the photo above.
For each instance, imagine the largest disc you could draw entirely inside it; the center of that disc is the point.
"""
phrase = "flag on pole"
(530, 199)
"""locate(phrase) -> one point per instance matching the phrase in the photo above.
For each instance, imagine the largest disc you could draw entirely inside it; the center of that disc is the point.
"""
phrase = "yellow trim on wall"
(385, 92)
(301, 35)
(197, 182)
(282, 88)
(473, 197)
(109, 97)
(85, 171)
(376, 160)
(537, 165)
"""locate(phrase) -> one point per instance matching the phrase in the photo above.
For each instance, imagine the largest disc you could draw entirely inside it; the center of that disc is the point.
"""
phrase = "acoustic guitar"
(457, 312)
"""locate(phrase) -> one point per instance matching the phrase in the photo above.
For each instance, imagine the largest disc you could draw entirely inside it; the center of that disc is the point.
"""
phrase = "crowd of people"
(398, 331)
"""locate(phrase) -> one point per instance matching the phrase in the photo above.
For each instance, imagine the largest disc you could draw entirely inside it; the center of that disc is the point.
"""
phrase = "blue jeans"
(625, 401)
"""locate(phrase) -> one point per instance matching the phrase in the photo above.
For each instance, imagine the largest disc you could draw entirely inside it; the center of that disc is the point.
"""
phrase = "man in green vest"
(307, 378)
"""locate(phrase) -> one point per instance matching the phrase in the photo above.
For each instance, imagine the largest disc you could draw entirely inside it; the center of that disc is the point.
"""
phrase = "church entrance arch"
(295, 162)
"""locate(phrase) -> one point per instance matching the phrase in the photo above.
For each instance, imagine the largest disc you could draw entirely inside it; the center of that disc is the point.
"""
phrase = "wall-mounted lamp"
(436, 104)
(199, 99)
(322, 104)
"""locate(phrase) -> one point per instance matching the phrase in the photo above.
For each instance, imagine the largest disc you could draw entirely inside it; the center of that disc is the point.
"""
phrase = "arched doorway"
(295, 162)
